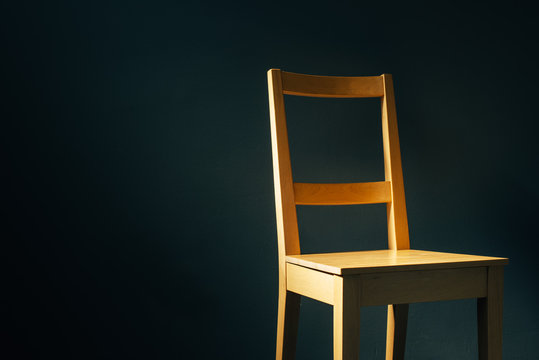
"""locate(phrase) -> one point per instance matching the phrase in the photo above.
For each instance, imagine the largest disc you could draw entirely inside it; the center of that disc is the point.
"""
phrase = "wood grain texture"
(346, 315)
(312, 283)
(397, 322)
(342, 194)
(348, 280)
(356, 262)
(397, 219)
(490, 317)
(332, 86)
(406, 287)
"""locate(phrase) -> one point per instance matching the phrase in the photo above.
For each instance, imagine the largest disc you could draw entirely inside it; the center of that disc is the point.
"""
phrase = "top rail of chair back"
(332, 86)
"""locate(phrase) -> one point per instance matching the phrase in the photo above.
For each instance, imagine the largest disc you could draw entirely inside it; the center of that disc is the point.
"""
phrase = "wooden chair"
(349, 280)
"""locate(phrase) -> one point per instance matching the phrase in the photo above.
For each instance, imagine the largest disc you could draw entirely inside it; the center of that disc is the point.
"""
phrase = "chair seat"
(362, 262)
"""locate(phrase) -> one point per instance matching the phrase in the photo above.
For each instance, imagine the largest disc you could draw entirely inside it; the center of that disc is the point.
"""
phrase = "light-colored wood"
(312, 283)
(490, 317)
(287, 224)
(332, 86)
(405, 287)
(397, 220)
(356, 262)
(346, 313)
(348, 280)
(342, 194)
(287, 325)
(397, 321)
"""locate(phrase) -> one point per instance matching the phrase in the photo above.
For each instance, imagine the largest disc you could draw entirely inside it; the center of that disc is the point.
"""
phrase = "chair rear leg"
(489, 316)
(397, 321)
(287, 324)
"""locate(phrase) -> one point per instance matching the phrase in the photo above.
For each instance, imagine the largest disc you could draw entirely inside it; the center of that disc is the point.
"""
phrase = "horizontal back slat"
(332, 86)
(342, 194)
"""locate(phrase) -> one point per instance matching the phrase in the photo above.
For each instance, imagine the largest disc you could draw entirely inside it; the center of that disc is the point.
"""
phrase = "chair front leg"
(346, 312)
(287, 324)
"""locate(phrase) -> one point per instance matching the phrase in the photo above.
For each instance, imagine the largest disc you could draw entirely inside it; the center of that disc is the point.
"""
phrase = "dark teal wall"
(138, 202)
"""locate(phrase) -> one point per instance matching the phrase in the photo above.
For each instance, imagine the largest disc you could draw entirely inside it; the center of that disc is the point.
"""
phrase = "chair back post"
(397, 219)
(285, 206)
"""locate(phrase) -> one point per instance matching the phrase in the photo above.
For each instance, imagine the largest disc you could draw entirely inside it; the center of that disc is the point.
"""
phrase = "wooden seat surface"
(357, 262)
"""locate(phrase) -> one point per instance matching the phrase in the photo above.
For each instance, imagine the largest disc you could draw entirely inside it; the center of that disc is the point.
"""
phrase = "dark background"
(138, 196)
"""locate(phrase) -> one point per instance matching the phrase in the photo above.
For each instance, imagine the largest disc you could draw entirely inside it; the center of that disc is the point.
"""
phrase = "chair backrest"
(289, 194)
